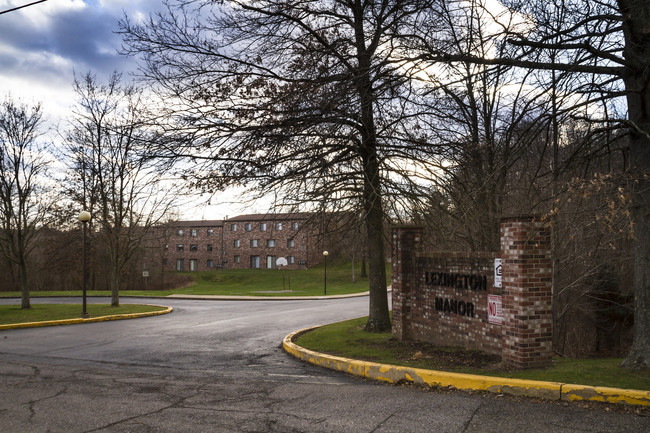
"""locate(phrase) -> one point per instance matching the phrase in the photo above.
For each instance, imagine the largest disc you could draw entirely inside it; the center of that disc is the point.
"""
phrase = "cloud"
(42, 46)
(80, 34)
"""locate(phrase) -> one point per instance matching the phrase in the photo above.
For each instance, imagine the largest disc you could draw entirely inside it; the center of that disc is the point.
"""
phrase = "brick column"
(406, 241)
(527, 331)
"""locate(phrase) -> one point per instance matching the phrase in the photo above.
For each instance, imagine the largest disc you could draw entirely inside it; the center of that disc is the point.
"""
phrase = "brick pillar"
(527, 331)
(406, 241)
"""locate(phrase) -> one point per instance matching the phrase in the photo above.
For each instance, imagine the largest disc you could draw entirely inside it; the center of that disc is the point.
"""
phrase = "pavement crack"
(32, 403)
(382, 422)
(133, 418)
(469, 421)
(35, 372)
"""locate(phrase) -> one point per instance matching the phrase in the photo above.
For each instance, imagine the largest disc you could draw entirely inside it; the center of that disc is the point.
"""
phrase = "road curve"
(219, 366)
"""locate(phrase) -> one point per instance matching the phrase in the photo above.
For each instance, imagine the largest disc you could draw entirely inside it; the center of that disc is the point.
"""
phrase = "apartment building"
(193, 245)
(246, 241)
(258, 240)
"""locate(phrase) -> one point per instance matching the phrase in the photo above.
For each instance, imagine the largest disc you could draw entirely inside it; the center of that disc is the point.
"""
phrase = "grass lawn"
(348, 339)
(273, 282)
(11, 314)
(252, 282)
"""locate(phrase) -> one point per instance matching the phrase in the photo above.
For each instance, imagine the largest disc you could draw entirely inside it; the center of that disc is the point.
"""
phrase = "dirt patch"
(443, 357)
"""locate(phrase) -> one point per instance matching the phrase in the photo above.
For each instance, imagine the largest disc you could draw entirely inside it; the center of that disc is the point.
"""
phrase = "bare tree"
(605, 50)
(300, 97)
(24, 200)
(106, 147)
(485, 118)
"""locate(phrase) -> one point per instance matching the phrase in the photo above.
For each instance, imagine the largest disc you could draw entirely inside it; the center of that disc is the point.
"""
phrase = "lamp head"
(84, 216)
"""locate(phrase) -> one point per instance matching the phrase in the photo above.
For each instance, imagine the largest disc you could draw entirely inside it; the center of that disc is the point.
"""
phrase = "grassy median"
(13, 314)
(348, 339)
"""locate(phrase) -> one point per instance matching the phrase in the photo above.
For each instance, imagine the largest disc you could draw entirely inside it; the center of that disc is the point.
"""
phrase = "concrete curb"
(89, 320)
(465, 382)
(263, 298)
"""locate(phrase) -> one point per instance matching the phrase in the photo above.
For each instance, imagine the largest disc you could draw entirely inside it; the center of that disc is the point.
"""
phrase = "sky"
(44, 45)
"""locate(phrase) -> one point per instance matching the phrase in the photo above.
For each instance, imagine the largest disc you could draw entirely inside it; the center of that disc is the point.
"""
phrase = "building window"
(294, 225)
(270, 262)
(180, 265)
(194, 265)
(248, 227)
(270, 243)
(180, 232)
(210, 232)
(180, 247)
(210, 264)
(236, 259)
(291, 260)
(255, 243)
(209, 247)
(278, 226)
(236, 243)
(255, 262)
(263, 227)
(165, 262)
(290, 243)
(233, 227)
(194, 247)
(194, 232)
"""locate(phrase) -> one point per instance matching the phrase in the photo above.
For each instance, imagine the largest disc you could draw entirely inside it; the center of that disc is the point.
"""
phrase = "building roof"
(271, 217)
(201, 223)
(290, 216)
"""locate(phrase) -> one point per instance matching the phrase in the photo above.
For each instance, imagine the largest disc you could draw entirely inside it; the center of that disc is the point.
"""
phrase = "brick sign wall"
(443, 298)
(451, 297)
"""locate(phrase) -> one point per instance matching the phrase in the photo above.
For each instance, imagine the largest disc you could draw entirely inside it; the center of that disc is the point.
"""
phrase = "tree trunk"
(636, 28)
(639, 356)
(115, 283)
(555, 235)
(24, 287)
(379, 316)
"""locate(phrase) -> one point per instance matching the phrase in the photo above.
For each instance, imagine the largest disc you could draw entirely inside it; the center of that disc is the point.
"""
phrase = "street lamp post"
(325, 254)
(84, 217)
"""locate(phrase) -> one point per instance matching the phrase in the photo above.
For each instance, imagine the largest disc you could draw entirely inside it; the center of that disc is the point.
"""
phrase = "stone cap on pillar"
(523, 218)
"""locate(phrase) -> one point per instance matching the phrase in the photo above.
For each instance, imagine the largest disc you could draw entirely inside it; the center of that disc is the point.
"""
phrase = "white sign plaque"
(495, 311)
(497, 273)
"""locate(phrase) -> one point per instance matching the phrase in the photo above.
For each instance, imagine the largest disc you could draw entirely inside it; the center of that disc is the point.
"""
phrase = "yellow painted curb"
(466, 382)
(89, 320)
(605, 394)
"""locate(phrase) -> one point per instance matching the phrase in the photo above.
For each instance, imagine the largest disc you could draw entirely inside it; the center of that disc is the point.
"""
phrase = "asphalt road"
(218, 366)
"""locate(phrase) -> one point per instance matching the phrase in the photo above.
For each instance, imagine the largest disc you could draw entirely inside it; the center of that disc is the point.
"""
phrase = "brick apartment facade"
(193, 245)
(246, 241)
